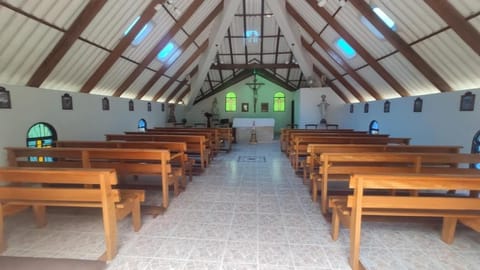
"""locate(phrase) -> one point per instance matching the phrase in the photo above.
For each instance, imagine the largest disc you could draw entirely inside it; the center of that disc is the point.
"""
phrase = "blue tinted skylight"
(387, 20)
(251, 36)
(166, 52)
(147, 28)
(345, 48)
(131, 26)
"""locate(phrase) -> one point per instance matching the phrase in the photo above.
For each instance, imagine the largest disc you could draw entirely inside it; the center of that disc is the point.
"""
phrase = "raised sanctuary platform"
(263, 128)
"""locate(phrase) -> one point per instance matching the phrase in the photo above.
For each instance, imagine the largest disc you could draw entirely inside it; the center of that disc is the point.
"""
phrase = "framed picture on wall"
(244, 107)
(467, 102)
(105, 104)
(5, 102)
(365, 108)
(149, 106)
(264, 107)
(386, 107)
(67, 102)
(163, 107)
(130, 106)
(417, 105)
(351, 108)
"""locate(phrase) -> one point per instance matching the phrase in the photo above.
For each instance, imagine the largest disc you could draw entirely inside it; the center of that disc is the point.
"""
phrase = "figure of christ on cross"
(255, 86)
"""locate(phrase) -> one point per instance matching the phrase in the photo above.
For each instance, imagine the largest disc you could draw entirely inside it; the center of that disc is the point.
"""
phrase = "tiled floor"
(248, 210)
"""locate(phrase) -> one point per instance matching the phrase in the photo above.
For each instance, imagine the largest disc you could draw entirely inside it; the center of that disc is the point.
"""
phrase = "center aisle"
(249, 210)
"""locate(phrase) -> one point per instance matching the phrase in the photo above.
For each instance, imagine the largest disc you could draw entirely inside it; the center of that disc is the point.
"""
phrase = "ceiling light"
(321, 3)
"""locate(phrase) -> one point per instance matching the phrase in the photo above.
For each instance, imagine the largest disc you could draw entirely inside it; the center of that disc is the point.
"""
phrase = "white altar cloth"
(248, 122)
(263, 129)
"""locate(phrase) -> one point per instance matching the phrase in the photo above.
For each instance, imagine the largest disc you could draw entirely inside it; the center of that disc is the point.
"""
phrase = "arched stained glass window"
(476, 149)
(41, 135)
(279, 102)
(231, 102)
(142, 125)
(374, 128)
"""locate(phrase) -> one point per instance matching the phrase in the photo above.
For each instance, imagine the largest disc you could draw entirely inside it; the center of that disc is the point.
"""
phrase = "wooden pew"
(41, 187)
(196, 145)
(177, 149)
(285, 134)
(124, 161)
(314, 151)
(212, 135)
(339, 166)
(299, 144)
(450, 208)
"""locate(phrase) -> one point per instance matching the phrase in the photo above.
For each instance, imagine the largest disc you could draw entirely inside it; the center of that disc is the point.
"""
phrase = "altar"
(263, 127)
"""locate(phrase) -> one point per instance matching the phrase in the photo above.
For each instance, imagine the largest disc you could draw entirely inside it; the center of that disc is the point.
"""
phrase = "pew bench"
(350, 210)
(196, 145)
(126, 162)
(42, 187)
(339, 167)
(179, 158)
(314, 150)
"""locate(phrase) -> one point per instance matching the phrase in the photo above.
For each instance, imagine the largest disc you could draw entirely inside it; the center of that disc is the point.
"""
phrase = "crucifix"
(255, 86)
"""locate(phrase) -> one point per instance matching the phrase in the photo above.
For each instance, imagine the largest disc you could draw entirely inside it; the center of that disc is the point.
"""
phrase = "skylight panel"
(345, 48)
(167, 51)
(385, 18)
(251, 36)
(147, 28)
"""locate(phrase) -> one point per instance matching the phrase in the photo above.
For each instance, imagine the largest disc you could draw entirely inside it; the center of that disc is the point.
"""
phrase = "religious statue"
(215, 110)
(323, 110)
(171, 113)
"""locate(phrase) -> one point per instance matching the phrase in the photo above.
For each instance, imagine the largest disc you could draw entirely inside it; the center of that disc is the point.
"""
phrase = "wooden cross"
(255, 86)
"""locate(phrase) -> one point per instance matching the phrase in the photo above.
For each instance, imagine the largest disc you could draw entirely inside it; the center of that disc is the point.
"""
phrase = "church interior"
(241, 107)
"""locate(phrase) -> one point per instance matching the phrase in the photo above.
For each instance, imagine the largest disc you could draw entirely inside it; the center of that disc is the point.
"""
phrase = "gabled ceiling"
(81, 46)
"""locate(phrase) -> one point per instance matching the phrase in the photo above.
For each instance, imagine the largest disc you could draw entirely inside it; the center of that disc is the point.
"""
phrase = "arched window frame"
(41, 135)
(374, 127)
(279, 102)
(230, 102)
(142, 125)
(476, 149)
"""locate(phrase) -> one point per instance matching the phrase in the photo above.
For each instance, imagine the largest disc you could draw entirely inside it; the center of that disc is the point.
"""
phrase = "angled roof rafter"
(407, 51)
(457, 22)
(292, 37)
(337, 58)
(332, 70)
(105, 66)
(360, 49)
(66, 42)
(331, 85)
(181, 70)
(218, 31)
(183, 47)
(154, 52)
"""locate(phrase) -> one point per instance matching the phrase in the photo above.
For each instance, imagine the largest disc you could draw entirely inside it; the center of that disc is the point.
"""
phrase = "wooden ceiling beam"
(156, 50)
(175, 91)
(101, 70)
(184, 46)
(360, 49)
(332, 70)
(242, 75)
(66, 42)
(262, 29)
(230, 48)
(274, 79)
(244, 3)
(407, 51)
(183, 94)
(181, 70)
(337, 58)
(331, 85)
(253, 66)
(457, 22)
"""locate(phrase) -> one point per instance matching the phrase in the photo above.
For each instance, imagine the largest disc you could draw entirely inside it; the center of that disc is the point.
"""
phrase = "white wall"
(87, 120)
(306, 102)
(439, 123)
(245, 95)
